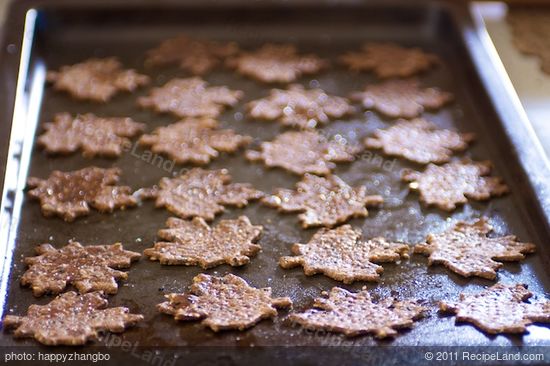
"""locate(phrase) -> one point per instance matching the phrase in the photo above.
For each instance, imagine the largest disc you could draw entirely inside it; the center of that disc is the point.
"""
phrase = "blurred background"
(530, 82)
(3, 5)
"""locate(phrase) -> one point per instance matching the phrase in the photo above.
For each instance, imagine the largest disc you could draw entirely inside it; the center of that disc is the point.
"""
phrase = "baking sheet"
(66, 35)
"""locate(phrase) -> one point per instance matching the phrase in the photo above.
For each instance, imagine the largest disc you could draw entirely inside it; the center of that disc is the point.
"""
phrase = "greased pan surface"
(65, 35)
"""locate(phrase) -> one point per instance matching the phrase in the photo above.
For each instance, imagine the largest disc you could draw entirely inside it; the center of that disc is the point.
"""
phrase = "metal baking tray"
(46, 35)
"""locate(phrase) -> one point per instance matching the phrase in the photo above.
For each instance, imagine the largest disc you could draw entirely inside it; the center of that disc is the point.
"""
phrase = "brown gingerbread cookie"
(274, 63)
(388, 60)
(223, 303)
(355, 314)
(89, 268)
(71, 194)
(202, 193)
(499, 309)
(193, 140)
(467, 250)
(341, 255)
(71, 319)
(419, 141)
(95, 136)
(193, 55)
(455, 183)
(191, 97)
(193, 243)
(401, 98)
(304, 152)
(97, 79)
(323, 201)
(299, 107)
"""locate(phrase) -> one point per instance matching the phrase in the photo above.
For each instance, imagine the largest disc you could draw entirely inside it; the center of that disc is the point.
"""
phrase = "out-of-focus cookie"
(401, 98)
(193, 140)
(299, 107)
(455, 183)
(95, 136)
(274, 63)
(97, 79)
(191, 97)
(223, 303)
(304, 152)
(193, 55)
(530, 28)
(389, 60)
(419, 141)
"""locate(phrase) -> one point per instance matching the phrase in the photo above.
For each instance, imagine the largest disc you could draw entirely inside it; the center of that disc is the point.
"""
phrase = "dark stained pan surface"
(67, 37)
